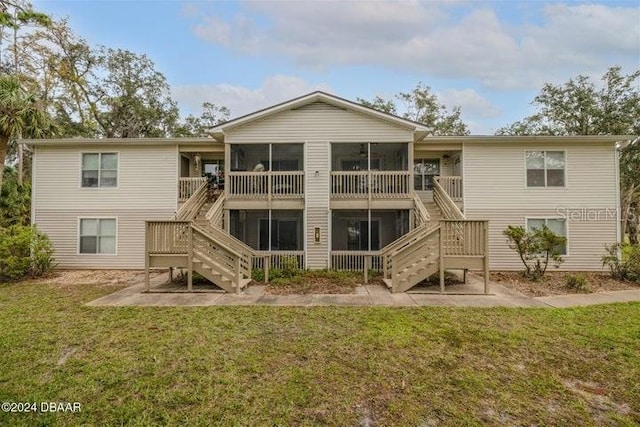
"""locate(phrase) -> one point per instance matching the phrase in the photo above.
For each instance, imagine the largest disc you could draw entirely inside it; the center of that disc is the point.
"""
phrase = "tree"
(579, 107)
(21, 113)
(211, 116)
(13, 16)
(420, 105)
(380, 104)
(15, 200)
(536, 248)
(99, 91)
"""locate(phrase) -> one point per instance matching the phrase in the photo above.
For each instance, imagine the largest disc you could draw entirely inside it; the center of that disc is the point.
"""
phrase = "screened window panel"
(88, 244)
(90, 178)
(555, 159)
(535, 177)
(558, 226)
(107, 245)
(555, 177)
(535, 159)
(89, 227)
(90, 161)
(534, 223)
(109, 178)
(107, 227)
(109, 161)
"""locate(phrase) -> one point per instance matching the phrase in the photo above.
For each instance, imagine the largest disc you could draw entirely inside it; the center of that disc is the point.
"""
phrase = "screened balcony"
(266, 171)
(369, 170)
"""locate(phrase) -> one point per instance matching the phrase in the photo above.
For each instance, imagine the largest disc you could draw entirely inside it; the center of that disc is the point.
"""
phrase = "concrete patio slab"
(345, 299)
(563, 301)
(286, 300)
(365, 295)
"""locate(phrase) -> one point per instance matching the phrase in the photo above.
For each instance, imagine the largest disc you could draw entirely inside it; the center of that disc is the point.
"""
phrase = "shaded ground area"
(115, 278)
(337, 366)
(555, 283)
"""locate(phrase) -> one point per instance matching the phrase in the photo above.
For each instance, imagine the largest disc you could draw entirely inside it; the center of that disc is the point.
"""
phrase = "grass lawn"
(315, 366)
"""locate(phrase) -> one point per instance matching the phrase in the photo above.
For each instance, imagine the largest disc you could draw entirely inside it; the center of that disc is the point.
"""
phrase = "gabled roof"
(319, 96)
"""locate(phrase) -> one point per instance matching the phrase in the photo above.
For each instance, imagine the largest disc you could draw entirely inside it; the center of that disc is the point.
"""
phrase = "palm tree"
(21, 114)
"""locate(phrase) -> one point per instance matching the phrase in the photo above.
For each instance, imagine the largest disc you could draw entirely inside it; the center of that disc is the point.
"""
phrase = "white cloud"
(472, 104)
(428, 37)
(242, 100)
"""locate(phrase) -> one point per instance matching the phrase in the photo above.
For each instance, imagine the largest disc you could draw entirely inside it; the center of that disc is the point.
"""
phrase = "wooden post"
(238, 275)
(486, 257)
(384, 266)
(442, 254)
(393, 276)
(190, 261)
(266, 263)
(146, 256)
(367, 260)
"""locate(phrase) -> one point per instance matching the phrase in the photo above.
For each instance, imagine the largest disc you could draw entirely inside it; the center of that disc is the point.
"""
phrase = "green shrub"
(24, 252)
(579, 282)
(623, 261)
(536, 248)
(257, 274)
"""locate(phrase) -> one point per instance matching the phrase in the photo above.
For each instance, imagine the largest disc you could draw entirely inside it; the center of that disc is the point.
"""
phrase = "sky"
(489, 57)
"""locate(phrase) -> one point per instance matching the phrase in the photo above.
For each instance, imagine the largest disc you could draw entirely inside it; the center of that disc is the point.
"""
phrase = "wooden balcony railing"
(452, 185)
(188, 186)
(373, 184)
(263, 185)
(279, 259)
(355, 260)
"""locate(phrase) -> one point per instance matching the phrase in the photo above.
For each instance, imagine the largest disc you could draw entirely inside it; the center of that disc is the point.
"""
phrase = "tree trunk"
(4, 142)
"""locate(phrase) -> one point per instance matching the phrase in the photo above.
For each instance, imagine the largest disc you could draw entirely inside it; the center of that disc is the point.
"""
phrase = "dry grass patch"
(315, 282)
(555, 283)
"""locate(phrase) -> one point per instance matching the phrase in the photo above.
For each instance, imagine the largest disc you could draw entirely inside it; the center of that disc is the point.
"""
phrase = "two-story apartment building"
(325, 183)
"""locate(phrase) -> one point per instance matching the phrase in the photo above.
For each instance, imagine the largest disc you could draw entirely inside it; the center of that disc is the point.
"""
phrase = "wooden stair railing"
(189, 210)
(213, 259)
(446, 204)
(420, 212)
(415, 262)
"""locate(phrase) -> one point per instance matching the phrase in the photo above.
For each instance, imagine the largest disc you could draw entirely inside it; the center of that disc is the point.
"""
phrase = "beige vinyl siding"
(147, 190)
(495, 189)
(317, 204)
(586, 236)
(495, 176)
(147, 178)
(318, 122)
(62, 228)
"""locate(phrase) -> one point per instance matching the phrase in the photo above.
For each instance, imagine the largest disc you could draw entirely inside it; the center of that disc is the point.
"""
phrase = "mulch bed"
(555, 283)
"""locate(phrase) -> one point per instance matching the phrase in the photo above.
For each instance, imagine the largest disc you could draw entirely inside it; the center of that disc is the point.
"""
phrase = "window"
(284, 235)
(545, 168)
(98, 236)
(423, 172)
(358, 235)
(99, 169)
(558, 226)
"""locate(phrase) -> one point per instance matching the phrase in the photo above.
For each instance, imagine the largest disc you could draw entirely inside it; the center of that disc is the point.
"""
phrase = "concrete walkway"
(367, 295)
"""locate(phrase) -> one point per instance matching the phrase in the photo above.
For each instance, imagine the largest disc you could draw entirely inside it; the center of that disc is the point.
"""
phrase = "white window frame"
(566, 169)
(546, 219)
(100, 153)
(79, 236)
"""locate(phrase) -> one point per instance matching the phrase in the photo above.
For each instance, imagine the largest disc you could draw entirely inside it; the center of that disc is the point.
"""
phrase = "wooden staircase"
(415, 256)
(195, 240)
(217, 256)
